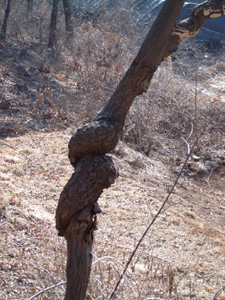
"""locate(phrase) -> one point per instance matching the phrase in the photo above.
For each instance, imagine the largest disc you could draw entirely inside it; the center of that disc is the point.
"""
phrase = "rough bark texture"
(76, 217)
(107, 126)
(77, 207)
(162, 40)
(93, 173)
(79, 238)
(97, 137)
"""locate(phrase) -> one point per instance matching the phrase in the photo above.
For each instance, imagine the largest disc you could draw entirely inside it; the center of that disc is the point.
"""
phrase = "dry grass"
(183, 254)
(180, 257)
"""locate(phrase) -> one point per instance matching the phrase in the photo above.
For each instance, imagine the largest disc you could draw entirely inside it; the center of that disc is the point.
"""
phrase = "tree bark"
(94, 171)
(5, 22)
(79, 244)
(53, 23)
(78, 201)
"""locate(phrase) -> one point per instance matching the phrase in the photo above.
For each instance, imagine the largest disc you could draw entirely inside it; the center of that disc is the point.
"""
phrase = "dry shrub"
(173, 108)
(94, 61)
(147, 276)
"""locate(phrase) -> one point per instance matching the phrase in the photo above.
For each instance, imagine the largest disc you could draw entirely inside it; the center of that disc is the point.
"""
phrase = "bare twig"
(213, 169)
(154, 219)
(191, 132)
(196, 103)
(106, 257)
(186, 140)
(47, 289)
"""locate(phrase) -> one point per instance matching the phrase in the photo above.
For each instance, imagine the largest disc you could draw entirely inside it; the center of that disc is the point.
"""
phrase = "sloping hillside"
(43, 99)
(187, 241)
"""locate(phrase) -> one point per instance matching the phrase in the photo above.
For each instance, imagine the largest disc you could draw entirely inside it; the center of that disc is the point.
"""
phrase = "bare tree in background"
(53, 24)
(94, 171)
(5, 21)
(68, 16)
(30, 5)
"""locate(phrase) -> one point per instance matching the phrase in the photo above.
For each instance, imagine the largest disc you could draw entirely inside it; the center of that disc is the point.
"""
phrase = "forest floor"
(183, 254)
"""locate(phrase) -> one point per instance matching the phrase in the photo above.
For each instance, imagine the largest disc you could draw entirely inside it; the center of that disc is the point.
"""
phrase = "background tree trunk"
(68, 16)
(5, 22)
(30, 6)
(53, 23)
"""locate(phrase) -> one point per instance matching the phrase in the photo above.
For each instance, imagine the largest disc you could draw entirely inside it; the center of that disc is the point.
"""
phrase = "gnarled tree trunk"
(94, 171)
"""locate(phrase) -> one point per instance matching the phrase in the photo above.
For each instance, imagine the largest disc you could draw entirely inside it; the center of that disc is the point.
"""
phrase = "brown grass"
(180, 256)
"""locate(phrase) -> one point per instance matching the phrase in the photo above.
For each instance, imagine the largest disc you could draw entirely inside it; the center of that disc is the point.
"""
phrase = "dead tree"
(5, 22)
(94, 170)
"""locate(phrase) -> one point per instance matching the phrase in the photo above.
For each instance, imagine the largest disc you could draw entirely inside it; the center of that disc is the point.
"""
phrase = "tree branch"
(102, 134)
(47, 289)
(191, 26)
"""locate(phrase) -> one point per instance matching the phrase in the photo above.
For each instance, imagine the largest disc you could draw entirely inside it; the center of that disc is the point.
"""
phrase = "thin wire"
(154, 219)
